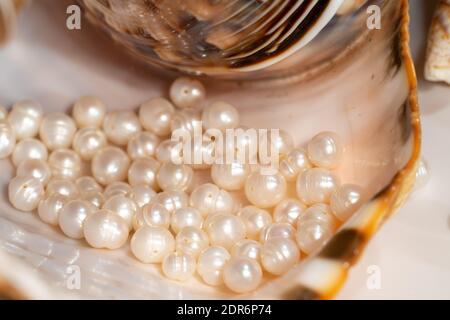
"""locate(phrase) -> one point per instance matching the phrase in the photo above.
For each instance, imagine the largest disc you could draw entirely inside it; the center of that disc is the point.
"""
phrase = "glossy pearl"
(89, 111)
(191, 240)
(208, 198)
(7, 139)
(71, 217)
(143, 145)
(255, 220)
(247, 248)
(3, 113)
(57, 131)
(230, 176)
(144, 171)
(203, 154)
(312, 235)
(152, 244)
(172, 200)
(179, 266)
(142, 194)
(29, 149)
(186, 122)
(88, 141)
(65, 164)
(325, 150)
(221, 116)
(242, 274)
(169, 151)
(105, 229)
(265, 190)
(243, 145)
(279, 255)
(187, 92)
(95, 198)
(154, 214)
(174, 177)
(156, 115)
(277, 230)
(118, 187)
(121, 126)
(88, 184)
(25, 193)
(295, 163)
(320, 213)
(110, 164)
(211, 263)
(316, 186)
(185, 217)
(225, 230)
(282, 143)
(63, 187)
(37, 169)
(123, 206)
(25, 118)
(50, 207)
(288, 210)
(345, 201)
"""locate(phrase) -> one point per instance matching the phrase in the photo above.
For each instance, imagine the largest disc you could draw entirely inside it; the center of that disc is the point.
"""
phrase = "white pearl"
(142, 194)
(94, 197)
(203, 154)
(71, 217)
(325, 150)
(319, 212)
(25, 193)
(88, 141)
(38, 169)
(187, 92)
(88, 184)
(225, 230)
(156, 115)
(312, 236)
(50, 207)
(174, 177)
(110, 164)
(152, 244)
(105, 229)
(422, 175)
(185, 217)
(295, 163)
(7, 139)
(143, 145)
(243, 144)
(316, 186)
(221, 116)
(89, 111)
(118, 187)
(154, 214)
(242, 274)
(211, 263)
(230, 176)
(186, 122)
(283, 143)
(172, 200)
(3, 113)
(65, 164)
(265, 190)
(29, 149)
(288, 210)
(277, 230)
(57, 131)
(255, 220)
(279, 255)
(63, 187)
(168, 151)
(247, 248)
(121, 126)
(25, 118)
(179, 266)
(191, 240)
(144, 171)
(208, 198)
(345, 201)
(122, 206)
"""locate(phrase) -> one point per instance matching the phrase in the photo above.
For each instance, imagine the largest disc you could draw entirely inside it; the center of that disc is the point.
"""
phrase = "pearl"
(247, 248)
(65, 164)
(282, 144)
(179, 266)
(211, 263)
(325, 150)
(37, 169)
(110, 164)
(25, 118)
(143, 145)
(29, 149)
(243, 144)
(50, 207)
(316, 186)
(152, 244)
(121, 126)
(7, 139)
(89, 111)
(225, 230)
(105, 229)
(153, 214)
(122, 206)
(319, 212)
(184, 122)
(265, 190)
(142, 195)
(221, 116)
(156, 115)
(242, 274)
(95, 198)
(72, 215)
(230, 176)
(295, 163)
(208, 198)
(168, 151)
(3, 113)
(185, 217)
(279, 255)
(255, 220)
(57, 131)
(191, 240)
(422, 175)
(187, 92)
(118, 187)
(88, 184)
(204, 148)
(345, 201)
(62, 187)
(25, 193)
(88, 141)
(172, 200)
(144, 171)
(288, 210)
(174, 177)
(277, 230)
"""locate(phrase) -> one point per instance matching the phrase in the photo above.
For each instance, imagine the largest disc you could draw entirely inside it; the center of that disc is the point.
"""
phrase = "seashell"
(9, 10)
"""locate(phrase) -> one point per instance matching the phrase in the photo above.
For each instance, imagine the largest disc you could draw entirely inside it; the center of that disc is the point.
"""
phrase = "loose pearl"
(243, 144)
(88, 184)
(255, 220)
(37, 169)
(316, 186)
(174, 177)
(50, 207)
(152, 244)
(121, 126)
(25, 118)
(25, 193)
(7, 139)
(206, 149)
(320, 213)
(62, 187)
(230, 176)
(325, 150)
(277, 230)
(295, 163)
(345, 201)
(154, 214)
(185, 217)
(288, 210)
(142, 195)
(187, 92)
(279, 255)
(65, 164)
(3, 113)
(94, 197)
(116, 188)
(242, 274)
(208, 198)
(29, 149)
(225, 230)
(144, 171)
(110, 164)
(221, 116)
(247, 248)
(89, 111)
(156, 115)
(265, 190)
(168, 151)
(191, 240)
(179, 266)
(71, 217)
(57, 131)
(105, 229)
(88, 141)
(184, 122)
(172, 200)
(211, 263)
(143, 145)
(282, 144)
(122, 206)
